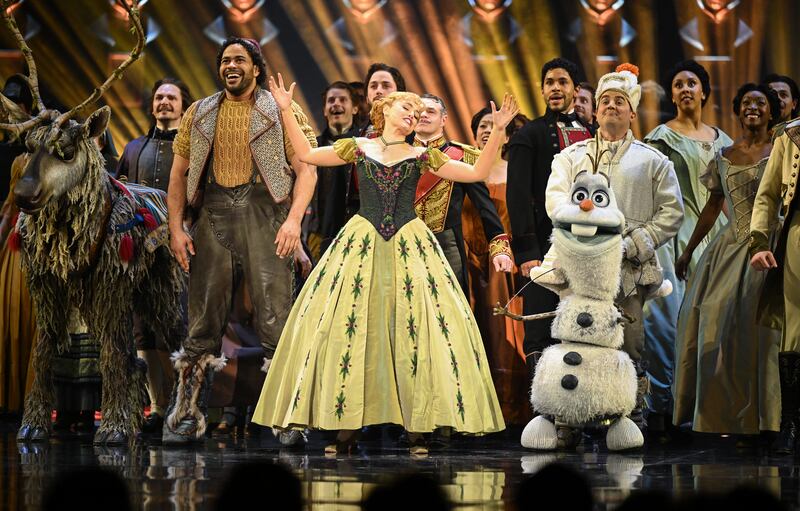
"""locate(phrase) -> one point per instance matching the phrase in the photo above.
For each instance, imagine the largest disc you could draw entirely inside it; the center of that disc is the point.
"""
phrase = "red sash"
(429, 180)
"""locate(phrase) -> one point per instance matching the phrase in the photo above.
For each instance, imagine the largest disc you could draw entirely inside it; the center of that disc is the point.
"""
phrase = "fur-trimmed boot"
(789, 370)
(186, 416)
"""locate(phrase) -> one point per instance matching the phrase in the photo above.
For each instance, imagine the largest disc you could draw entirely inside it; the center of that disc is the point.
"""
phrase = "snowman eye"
(600, 199)
(579, 195)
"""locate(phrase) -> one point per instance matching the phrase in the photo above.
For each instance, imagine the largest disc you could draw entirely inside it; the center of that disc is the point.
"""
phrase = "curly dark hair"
(774, 77)
(396, 74)
(561, 63)
(693, 67)
(772, 99)
(186, 98)
(252, 49)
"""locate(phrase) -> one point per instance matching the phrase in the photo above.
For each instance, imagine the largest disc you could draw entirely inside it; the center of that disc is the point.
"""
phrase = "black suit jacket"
(478, 193)
(530, 155)
(336, 199)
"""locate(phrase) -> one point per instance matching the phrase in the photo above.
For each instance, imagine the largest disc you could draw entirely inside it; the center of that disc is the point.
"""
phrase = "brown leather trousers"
(234, 239)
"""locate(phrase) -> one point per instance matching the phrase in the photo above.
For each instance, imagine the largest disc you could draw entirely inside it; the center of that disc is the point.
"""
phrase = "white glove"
(638, 245)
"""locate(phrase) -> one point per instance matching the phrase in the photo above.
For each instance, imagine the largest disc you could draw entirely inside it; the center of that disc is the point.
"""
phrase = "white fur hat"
(625, 80)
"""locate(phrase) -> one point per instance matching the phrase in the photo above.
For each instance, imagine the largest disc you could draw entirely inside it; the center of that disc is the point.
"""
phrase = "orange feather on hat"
(627, 66)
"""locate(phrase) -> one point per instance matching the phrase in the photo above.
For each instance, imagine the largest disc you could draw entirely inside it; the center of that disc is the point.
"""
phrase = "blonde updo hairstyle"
(376, 113)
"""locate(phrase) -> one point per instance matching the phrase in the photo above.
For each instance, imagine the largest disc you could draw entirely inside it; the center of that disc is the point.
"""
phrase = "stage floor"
(478, 474)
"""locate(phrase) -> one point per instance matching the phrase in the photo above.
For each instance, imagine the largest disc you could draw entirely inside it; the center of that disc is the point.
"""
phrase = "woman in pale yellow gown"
(382, 332)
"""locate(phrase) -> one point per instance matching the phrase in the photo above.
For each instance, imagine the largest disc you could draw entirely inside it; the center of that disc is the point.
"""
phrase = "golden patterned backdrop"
(466, 51)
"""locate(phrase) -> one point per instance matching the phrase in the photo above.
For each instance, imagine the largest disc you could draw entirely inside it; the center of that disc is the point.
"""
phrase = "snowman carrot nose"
(587, 205)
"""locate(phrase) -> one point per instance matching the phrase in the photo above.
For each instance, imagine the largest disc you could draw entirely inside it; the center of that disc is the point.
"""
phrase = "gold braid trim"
(500, 244)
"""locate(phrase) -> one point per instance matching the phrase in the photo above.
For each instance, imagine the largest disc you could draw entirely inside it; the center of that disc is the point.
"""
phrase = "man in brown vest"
(232, 168)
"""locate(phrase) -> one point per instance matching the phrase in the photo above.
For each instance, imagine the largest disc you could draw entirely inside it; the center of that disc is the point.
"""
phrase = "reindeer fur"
(56, 252)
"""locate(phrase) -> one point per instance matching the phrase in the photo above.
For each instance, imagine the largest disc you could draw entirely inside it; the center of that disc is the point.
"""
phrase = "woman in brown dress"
(502, 337)
(17, 319)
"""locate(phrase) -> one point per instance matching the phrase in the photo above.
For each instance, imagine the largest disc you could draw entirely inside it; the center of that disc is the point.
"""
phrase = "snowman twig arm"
(503, 311)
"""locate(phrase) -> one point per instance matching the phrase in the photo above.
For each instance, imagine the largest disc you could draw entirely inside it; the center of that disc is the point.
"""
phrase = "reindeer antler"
(133, 15)
(17, 128)
(33, 77)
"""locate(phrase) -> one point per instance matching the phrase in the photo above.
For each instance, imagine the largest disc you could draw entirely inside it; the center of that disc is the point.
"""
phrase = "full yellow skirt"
(381, 333)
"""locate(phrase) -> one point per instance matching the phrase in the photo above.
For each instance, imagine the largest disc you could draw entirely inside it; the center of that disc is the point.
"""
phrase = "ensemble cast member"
(690, 144)
(726, 367)
(246, 221)
(530, 155)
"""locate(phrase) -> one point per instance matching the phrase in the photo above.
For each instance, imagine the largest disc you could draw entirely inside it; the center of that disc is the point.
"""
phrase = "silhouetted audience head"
(249, 483)
(87, 489)
(554, 487)
(648, 501)
(752, 497)
(410, 492)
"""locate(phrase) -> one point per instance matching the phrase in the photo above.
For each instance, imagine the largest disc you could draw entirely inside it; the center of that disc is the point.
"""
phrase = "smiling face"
(614, 112)
(339, 109)
(401, 115)
(687, 91)
(558, 90)
(432, 120)
(167, 105)
(788, 103)
(484, 130)
(754, 110)
(237, 71)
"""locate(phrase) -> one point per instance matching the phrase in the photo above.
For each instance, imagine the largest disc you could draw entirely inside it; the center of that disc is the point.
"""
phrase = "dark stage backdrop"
(466, 51)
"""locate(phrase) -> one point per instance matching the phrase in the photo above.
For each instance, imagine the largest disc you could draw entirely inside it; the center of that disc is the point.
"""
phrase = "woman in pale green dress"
(382, 333)
(726, 375)
(690, 144)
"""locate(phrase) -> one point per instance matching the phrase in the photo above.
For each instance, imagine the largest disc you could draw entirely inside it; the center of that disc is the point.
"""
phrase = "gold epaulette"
(471, 153)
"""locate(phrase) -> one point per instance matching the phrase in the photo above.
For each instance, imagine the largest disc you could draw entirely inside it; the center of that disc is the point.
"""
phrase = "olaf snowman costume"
(647, 193)
(587, 378)
(602, 257)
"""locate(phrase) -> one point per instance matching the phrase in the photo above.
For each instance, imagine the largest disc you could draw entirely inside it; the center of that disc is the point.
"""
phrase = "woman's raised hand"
(507, 112)
(282, 96)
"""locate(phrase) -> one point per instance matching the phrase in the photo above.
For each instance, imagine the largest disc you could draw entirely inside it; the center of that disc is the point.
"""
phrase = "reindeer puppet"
(88, 242)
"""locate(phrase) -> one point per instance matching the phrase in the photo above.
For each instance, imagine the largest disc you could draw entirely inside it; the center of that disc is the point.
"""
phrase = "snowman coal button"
(573, 358)
(585, 319)
(569, 381)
